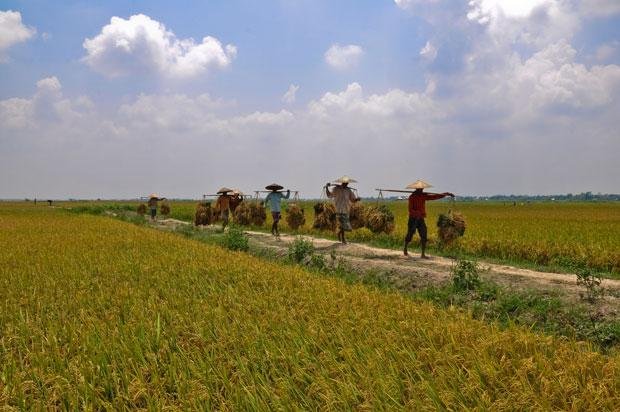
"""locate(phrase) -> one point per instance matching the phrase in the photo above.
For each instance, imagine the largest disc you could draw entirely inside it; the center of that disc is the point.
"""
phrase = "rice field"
(563, 235)
(102, 314)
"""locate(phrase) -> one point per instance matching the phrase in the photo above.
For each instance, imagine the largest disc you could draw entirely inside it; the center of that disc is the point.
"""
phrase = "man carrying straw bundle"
(152, 203)
(343, 198)
(223, 204)
(273, 200)
(417, 213)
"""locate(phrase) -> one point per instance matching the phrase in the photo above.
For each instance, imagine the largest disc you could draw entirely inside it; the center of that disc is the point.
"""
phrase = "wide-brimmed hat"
(345, 179)
(274, 186)
(224, 190)
(153, 195)
(419, 184)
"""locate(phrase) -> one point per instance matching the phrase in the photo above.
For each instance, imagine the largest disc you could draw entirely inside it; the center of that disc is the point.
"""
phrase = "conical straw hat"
(224, 190)
(419, 184)
(152, 195)
(345, 179)
(274, 186)
(237, 192)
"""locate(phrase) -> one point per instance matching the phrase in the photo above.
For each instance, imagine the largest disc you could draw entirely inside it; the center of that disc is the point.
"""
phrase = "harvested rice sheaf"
(379, 219)
(324, 216)
(451, 226)
(242, 214)
(258, 214)
(165, 209)
(141, 209)
(203, 214)
(295, 217)
(357, 215)
(250, 213)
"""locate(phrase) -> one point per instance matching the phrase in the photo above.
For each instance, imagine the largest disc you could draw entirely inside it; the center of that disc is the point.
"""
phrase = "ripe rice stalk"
(450, 226)
(295, 217)
(379, 219)
(324, 216)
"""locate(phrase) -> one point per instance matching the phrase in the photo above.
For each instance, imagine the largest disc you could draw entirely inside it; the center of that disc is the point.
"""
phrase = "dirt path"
(411, 272)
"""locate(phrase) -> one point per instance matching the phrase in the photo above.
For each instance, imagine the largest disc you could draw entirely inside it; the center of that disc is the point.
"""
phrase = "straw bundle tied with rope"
(451, 226)
(250, 213)
(379, 219)
(203, 215)
(324, 216)
(165, 209)
(295, 217)
(141, 210)
(357, 215)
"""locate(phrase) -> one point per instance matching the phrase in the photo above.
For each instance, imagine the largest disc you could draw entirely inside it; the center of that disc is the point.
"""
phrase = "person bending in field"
(417, 213)
(152, 203)
(273, 200)
(223, 204)
(343, 198)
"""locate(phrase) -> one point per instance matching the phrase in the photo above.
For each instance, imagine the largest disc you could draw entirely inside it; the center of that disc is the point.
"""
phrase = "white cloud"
(289, 97)
(343, 57)
(428, 52)
(12, 31)
(143, 45)
(606, 51)
(600, 8)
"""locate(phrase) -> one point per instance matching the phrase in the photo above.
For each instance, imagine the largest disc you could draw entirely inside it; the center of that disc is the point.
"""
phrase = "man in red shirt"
(417, 213)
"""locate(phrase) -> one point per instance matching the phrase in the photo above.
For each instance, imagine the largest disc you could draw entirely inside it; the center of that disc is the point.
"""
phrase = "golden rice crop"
(102, 314)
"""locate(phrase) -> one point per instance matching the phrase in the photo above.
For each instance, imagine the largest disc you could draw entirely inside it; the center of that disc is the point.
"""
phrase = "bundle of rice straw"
(242, 214)
(295, 217)
(250, 213)
(379, 219)
(357, 215)
(165, 209)
(141, 210)
(324, 216)
(258, 214)
(203, 214)
(451, 226)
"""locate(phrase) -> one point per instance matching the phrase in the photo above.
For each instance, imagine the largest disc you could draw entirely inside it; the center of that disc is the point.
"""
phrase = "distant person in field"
(274, 200)
(223, 204)
(152, 204)
(417, 213)
(343, 199)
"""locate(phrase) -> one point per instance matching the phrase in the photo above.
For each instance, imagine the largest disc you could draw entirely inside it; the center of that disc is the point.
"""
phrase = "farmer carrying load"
(152, 203)
(223, 204)
(417, 213)
(235, 200)
(343, 198)
(273, 200)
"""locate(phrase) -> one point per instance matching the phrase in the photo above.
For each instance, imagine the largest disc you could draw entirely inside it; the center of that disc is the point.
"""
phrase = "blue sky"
(481, 97)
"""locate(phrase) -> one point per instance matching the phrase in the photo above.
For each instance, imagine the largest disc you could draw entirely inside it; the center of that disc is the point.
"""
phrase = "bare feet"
(405, 252)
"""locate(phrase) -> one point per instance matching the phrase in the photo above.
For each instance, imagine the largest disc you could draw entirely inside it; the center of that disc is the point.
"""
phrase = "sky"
(117, 99)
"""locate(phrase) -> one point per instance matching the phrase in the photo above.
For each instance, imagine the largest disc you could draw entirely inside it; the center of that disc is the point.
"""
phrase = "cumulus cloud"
(12, 31)
(142, 45)
(428, 52)
(290, 95)
(343, 57)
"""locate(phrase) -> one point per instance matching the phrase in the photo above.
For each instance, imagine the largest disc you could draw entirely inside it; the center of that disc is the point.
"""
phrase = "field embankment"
(99, 313)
